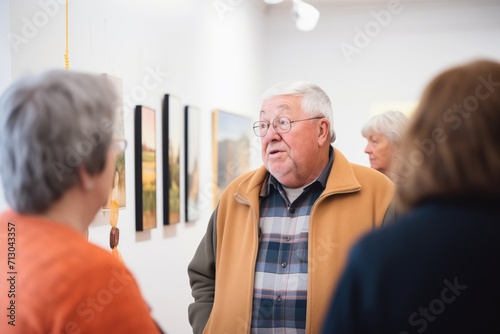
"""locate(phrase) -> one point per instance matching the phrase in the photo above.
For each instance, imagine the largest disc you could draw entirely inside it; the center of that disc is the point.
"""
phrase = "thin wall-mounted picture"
(145, 168)
(232, 134)
(171, 140)
(192, 163)
(118, 192)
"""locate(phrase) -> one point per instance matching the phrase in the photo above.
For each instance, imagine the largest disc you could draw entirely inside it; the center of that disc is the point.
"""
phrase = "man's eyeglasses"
(119, 145)
(280, 125)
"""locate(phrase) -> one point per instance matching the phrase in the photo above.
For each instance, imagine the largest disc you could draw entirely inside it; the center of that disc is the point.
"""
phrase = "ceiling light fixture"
(273, 2)
(305, 15)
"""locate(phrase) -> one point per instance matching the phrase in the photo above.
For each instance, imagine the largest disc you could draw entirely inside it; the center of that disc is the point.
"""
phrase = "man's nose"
(272, 132)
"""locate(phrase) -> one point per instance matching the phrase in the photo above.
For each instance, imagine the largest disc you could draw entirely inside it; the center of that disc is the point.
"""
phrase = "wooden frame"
(145, 168)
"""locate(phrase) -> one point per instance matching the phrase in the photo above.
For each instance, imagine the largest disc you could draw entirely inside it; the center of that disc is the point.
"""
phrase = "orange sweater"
(53, 281)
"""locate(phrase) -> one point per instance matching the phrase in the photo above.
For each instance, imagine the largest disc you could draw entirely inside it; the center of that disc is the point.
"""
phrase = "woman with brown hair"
(435, 268)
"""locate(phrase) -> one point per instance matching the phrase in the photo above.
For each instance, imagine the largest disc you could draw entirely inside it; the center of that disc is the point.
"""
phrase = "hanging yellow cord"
(66, 55)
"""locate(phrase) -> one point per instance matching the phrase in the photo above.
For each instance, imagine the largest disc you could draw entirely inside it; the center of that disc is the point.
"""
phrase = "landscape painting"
(171, 141)
(118, 192)
(145, 168)
(232, 134)
(192, 162)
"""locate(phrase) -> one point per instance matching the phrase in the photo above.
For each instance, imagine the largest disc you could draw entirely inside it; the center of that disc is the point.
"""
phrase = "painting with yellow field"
(171, 145)
(145, 168)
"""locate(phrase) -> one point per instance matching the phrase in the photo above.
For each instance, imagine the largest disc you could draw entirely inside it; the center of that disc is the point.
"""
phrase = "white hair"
(391, 124)
(315, 101)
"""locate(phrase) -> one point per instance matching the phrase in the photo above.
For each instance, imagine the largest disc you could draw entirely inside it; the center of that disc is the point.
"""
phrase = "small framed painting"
(145, 168)
(171, 141)
(118, 192)
(192, 163)
(232, 134)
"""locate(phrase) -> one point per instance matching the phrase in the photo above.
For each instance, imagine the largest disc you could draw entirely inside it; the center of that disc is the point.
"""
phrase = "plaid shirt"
(280, 290)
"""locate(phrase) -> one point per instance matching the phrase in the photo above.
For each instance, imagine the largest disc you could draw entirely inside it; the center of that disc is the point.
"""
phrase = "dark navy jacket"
(434, 270)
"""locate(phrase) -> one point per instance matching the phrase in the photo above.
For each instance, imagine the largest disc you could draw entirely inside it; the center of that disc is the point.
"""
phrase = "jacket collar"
(342, 178)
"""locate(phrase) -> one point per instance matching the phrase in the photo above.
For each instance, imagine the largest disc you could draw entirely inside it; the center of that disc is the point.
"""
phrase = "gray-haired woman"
(383, 133)
(57, 157)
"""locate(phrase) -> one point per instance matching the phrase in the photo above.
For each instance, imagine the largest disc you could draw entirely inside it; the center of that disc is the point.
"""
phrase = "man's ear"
(86, 180)
(324, 131)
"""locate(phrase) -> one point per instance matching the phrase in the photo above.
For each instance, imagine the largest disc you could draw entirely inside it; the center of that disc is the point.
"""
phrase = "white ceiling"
(368, 2)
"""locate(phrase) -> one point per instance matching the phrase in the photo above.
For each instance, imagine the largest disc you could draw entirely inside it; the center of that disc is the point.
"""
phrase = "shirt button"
(288, 238)
(292, 210)
(283, 264)
(278, 299)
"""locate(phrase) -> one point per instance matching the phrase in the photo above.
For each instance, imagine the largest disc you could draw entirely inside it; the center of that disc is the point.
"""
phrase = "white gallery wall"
(205, 55)
(391, 51)
(5, 63)
(223, 54)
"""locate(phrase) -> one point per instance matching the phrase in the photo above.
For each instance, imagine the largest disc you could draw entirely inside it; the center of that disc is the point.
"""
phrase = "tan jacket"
(355, 200)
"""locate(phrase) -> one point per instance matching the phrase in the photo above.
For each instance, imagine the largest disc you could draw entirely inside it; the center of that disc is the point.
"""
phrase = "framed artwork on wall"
(118, 192)
(145, 168)
(232, 134)
(171, 141)
(192, 163)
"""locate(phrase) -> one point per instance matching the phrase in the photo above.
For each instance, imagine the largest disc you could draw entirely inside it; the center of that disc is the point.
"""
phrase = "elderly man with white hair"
(279, 236)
